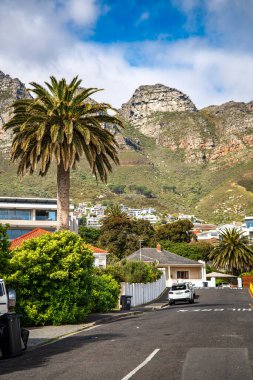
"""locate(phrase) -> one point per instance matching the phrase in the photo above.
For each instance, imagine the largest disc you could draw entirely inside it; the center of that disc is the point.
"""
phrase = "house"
(100, 256)
(176, 268)
(98, 253)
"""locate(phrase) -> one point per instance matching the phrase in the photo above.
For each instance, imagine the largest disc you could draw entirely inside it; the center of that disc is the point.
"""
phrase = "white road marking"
(141, 365)
(228, 309)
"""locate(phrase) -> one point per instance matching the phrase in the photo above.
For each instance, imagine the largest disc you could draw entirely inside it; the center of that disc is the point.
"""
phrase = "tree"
(52, 276)
(193, 250)
(89, 235)
(178, 232)
(4, 249)
(62, 124)
(115, 210)
(232, 253)
(121, 235)
(116, 236)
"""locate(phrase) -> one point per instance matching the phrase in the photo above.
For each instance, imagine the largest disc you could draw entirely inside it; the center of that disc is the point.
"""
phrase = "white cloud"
(35, 44)
(81, 12)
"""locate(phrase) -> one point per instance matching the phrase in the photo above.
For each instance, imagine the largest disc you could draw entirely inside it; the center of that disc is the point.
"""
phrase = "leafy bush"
(4, 249)
(134, 272)
(52, 276)
(105, 293)
(117, 189)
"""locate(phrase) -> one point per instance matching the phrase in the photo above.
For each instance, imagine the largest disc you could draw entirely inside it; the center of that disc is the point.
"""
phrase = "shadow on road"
(42, 355)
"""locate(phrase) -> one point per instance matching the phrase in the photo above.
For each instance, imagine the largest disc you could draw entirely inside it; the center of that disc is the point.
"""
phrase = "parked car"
(181, 292)
(191, 285)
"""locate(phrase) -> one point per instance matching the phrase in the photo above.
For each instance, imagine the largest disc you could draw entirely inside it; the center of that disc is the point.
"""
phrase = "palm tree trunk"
(63, 185)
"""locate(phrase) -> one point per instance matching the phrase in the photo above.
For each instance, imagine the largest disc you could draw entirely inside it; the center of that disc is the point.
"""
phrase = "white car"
(181, 292)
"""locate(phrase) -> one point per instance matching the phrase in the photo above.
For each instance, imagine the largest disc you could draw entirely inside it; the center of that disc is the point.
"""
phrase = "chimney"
(158, 248)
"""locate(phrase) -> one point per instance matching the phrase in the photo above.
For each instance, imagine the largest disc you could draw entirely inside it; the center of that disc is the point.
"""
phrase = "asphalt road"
(211, 339)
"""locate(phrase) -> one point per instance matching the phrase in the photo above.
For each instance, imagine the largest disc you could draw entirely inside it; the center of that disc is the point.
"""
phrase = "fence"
(144, 293)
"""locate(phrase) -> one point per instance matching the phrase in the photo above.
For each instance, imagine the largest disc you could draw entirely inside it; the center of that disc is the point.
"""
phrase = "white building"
(25, 214)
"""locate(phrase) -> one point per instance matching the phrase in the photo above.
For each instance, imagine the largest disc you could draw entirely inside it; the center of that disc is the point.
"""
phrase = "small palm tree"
(62, 124)
(115, 210)
(233, 253)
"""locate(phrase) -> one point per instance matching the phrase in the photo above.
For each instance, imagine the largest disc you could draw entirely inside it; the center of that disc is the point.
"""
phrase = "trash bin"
(205, 284)
(10, 335)
(125, 302)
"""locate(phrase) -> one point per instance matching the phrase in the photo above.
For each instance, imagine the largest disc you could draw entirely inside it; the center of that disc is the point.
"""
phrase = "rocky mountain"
(170, 117)
(10, 90)
(173, 156)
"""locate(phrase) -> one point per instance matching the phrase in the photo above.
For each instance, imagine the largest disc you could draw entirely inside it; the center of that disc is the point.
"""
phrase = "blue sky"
(201, 47)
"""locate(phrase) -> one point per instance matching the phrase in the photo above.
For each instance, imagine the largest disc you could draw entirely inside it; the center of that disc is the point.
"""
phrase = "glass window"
(15, 214)
(13, 234)
(1, 290)
(183, 274)
(46, 215)
(178, 287)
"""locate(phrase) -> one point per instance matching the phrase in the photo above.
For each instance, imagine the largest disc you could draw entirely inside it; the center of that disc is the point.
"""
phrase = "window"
(46, 215)
(15, 214)
(183, 274)
(178, 287)
(1, 290)
(13, 234)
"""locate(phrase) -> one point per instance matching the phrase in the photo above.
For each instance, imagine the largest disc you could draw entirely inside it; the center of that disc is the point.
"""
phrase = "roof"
(219, 275)
(98, 250)
(15, 243)
(163, 257)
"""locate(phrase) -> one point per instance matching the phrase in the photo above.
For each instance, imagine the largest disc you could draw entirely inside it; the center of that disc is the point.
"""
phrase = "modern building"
(25, 214)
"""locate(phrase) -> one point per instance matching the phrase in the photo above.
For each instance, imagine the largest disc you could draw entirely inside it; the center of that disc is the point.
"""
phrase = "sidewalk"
(47, 334)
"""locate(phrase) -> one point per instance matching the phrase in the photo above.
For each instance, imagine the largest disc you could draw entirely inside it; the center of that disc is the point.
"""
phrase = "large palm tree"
(62, 124)
(233, 253)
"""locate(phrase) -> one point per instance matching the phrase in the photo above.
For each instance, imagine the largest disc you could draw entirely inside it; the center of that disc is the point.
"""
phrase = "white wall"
(144, 293)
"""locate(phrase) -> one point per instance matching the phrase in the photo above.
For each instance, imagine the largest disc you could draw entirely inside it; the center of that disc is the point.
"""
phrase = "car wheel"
(171, 303)
(192, 300)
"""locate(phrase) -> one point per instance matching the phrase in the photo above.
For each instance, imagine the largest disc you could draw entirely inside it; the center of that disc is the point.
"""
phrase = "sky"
(203, 48)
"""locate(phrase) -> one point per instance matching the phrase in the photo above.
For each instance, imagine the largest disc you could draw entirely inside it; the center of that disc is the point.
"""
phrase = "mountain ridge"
(188, 160)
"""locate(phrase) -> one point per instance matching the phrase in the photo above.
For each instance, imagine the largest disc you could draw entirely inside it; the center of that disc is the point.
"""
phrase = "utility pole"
(141, 241)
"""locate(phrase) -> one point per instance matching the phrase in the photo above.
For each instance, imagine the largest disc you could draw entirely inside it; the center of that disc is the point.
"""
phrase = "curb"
(86, 327)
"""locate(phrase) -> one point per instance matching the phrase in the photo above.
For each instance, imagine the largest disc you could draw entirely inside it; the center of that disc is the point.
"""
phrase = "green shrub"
(52, 276)
(134, 272)
(4, 249)
(105, 293)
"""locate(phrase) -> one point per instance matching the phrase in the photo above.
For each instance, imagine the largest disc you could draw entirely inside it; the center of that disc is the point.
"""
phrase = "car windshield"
(179, 287)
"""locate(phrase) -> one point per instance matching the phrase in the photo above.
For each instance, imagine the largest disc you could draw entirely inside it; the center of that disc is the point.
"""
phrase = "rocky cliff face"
(171, 118)
(10, 90)
(148, 100)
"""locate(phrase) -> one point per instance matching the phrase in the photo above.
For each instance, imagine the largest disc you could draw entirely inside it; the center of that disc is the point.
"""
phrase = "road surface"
(209, 340)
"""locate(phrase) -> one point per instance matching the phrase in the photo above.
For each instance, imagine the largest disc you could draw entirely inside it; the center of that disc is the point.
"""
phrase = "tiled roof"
(98, 250)
(163, 257)
(15, 243)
